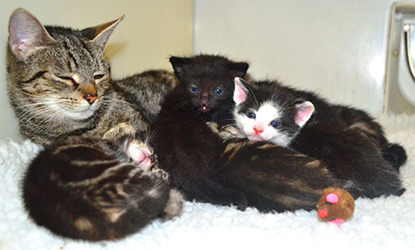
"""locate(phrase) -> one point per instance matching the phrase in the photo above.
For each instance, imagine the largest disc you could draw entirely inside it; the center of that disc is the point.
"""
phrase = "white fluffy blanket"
(379, 223)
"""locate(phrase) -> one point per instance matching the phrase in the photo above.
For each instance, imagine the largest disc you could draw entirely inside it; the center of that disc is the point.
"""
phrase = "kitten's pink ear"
(101, 33)
(304, 112)
(26, 34)
(241, 92)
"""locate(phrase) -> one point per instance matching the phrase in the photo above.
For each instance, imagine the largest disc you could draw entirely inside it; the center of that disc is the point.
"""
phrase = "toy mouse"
(335, 206)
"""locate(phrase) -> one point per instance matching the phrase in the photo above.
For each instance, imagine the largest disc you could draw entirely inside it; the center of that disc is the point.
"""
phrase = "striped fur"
(91, 190)
(96, 179)
(48, 84)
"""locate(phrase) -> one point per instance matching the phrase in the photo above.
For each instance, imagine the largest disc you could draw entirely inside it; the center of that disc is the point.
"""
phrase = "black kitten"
(186, 147)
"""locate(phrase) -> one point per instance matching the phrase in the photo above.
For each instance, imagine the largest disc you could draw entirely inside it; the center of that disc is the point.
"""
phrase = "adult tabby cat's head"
(208, 79)
(263, 113)
(56, 74)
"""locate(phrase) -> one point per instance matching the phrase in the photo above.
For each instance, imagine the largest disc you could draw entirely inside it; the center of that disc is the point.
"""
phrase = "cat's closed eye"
(98, 76)
(66, 79)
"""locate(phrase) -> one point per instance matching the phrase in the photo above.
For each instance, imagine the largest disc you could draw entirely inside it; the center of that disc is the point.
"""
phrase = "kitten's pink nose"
(258, 128)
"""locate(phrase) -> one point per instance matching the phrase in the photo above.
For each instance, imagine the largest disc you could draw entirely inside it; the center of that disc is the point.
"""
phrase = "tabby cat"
(60, 84)
(351, 149)
(97, 178)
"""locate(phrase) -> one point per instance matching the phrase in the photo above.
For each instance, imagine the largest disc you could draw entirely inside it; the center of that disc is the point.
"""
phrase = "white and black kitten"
(350, 143)
(277, 119)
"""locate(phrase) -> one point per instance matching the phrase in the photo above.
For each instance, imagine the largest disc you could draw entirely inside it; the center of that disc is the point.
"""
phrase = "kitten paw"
(160, 173)
(335, 206)
(230, 132)
(174, 205)
(141, 154)
(118, 131)
(225, 132)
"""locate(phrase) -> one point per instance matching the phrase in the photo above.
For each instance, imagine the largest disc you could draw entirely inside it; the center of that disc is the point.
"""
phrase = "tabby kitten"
(345, 147)
(98, 189)
(186, 147)
(60, 84)
(96, 179)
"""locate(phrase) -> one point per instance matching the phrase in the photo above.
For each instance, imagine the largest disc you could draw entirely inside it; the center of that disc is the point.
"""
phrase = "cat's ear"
(238, 69)
(26, 34)
(101, 33)
(179, 65)
(304, 111)
(241, 91)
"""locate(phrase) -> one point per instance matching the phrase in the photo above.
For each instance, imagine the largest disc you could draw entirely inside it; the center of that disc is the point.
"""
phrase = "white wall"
(151, 31)
(336, 48)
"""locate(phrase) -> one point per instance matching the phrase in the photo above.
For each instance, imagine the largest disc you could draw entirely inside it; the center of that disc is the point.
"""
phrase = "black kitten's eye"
(251, 115)
(98, 76)
(194, 89)
(218, 91)
(275, 124)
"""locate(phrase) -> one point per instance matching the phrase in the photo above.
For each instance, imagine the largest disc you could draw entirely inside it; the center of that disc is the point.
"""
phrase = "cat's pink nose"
(258, 128)
(90, 98)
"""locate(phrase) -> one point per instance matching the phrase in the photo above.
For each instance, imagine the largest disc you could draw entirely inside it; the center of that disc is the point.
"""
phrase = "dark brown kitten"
(186, 147)
(274, 178)
(98, 189)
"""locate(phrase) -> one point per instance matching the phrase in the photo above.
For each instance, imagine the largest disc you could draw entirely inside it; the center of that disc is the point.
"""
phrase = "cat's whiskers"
(105, 53)
(181, 103)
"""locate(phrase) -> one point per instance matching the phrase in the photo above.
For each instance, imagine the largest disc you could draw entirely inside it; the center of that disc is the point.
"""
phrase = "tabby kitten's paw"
(141, 154)
(226, 132)
(174, 205)
(160, 173)
(118, 131)
(335, 206)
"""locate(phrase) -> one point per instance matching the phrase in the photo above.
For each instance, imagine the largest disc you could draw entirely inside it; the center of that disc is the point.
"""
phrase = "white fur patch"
(266, 113)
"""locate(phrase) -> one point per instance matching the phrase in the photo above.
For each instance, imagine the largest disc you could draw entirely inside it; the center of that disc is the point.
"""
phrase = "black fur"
(186, 147)
(274, 178)
(348, 141)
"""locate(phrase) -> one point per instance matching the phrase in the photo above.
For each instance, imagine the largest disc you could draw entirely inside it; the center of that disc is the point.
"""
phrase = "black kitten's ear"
(240, 93)
(26, 34)
(179, 65)
(238, 69)
(101, 33)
